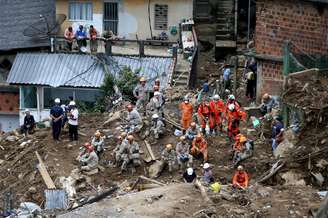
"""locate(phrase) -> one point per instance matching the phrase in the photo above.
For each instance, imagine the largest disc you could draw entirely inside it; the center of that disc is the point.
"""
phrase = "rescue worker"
(234, 116)
(169, 156)
(156, 105)
(158, 84)
(122, 155)
(157, 127)
(240, 179)
(231, 100)
(29, 123)
(141, 93)
(189, 176)
(192, 131)
(83, 151)
(277, 126)
(182, 151)
(134, 155)
(98, 143)
(207, 174)
(243, 149)
(73, 117)
(199, 146)
(217, 108)
(186, 109)
(134, 121)
(56, 115)
(203, 112)
(120, 140)
(90, 160)
(268, 103)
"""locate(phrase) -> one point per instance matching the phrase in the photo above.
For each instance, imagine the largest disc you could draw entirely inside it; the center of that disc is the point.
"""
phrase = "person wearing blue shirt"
(277, 127)
(226, 77)
(81, 37)
(56, 114)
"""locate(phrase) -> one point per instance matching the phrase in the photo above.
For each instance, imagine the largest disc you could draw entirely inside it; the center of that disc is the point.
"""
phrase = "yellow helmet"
(182, 138)
(169, 146)
(242, 139)
(97, 133)
(142, 79)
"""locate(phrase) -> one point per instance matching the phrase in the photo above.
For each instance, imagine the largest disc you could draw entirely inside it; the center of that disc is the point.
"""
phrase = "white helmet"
(157, 93)
(216, 97)
(231, 97)
(190, 171)
(206, 166)
(155, 116)
(231, 107)
(57, 100)
(72, 103)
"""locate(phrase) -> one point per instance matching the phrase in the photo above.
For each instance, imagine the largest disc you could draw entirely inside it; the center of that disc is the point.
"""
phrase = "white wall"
(9, 122)
(42, 116)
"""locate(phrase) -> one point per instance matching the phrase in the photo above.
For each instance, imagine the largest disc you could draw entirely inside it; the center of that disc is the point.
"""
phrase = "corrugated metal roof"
(78, 70)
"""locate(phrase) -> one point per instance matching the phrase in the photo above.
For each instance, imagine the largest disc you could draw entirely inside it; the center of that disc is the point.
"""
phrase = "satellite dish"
(44, 28)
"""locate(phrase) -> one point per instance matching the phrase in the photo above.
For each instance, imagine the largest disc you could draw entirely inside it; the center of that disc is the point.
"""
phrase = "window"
(28, 97)
(80, 11)
(161, 17)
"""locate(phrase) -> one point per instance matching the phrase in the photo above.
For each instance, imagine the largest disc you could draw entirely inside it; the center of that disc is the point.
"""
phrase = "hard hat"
(157, 93)
(142, 79)
(231, 107)
(206, 166)
(130, 137)
(155, 116)
(130, 106)
(27, 110)
(231, 97)
(199, 136)
(57, 100)
(240, 167)
(193, 124)
(157, 80)
(182, 138)
(72, 103)
(190, 171)
(215, 187)
(216, 97)
(97, 133)
(169, 146)
(123, 135)
(242, 138)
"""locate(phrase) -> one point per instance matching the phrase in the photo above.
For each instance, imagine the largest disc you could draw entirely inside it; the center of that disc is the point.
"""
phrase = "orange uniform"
(203, 114)
(217, 108)
(186, 115)
(240, 179)
(234, 118)
(199, 145)
(237, 106)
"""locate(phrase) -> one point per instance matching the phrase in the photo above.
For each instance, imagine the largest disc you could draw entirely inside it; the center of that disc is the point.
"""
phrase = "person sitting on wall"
(69, 37)
(81, 37)
(29, 123)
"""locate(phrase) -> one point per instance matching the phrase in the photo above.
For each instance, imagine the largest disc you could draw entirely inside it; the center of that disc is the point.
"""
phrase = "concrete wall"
(9, 122)
(97, 22)
(301, 22)
(133, 16)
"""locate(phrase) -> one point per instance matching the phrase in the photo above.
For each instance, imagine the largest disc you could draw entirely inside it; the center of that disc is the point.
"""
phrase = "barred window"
(161, 12)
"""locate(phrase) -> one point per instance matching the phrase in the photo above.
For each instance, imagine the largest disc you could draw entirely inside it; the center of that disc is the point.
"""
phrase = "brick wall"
(303, 23)
(9, 102)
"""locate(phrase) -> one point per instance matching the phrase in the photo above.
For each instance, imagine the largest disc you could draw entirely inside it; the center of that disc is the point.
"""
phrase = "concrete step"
(224, 37)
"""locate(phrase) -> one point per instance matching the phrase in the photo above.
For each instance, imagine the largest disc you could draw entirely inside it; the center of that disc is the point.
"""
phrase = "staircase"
(180, 77)
(225, 20)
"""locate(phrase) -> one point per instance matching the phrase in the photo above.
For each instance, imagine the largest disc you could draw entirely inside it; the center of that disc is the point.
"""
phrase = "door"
(111, 16)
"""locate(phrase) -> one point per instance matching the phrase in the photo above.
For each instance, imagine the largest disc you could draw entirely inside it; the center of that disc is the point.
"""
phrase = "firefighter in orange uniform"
(186, 114)
(217, 107)
(199, 146)
(204, 112)
(234, 116)
(240, 179)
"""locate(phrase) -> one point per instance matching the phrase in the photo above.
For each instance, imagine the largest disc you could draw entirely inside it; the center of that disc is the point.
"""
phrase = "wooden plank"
(150, 151)
(152, 180)
(44, 173)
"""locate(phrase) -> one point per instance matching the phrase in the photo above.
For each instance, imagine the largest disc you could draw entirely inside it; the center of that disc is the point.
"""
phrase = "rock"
(22, 145)
(32, 190)
(322, 163)
(69, 146)
(11, 138)
(92, 172)
(318, 178)
(283, 149)
(293, 178)
(156, 169)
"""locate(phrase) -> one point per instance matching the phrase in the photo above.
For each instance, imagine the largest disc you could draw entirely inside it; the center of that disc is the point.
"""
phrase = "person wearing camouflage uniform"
(169, 157)
(134, 120)
(157, 127)
(183, 156)
(156, 105)
(141, 93)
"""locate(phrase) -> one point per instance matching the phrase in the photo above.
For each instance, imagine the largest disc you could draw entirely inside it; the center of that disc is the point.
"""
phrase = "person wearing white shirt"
(73, 117)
